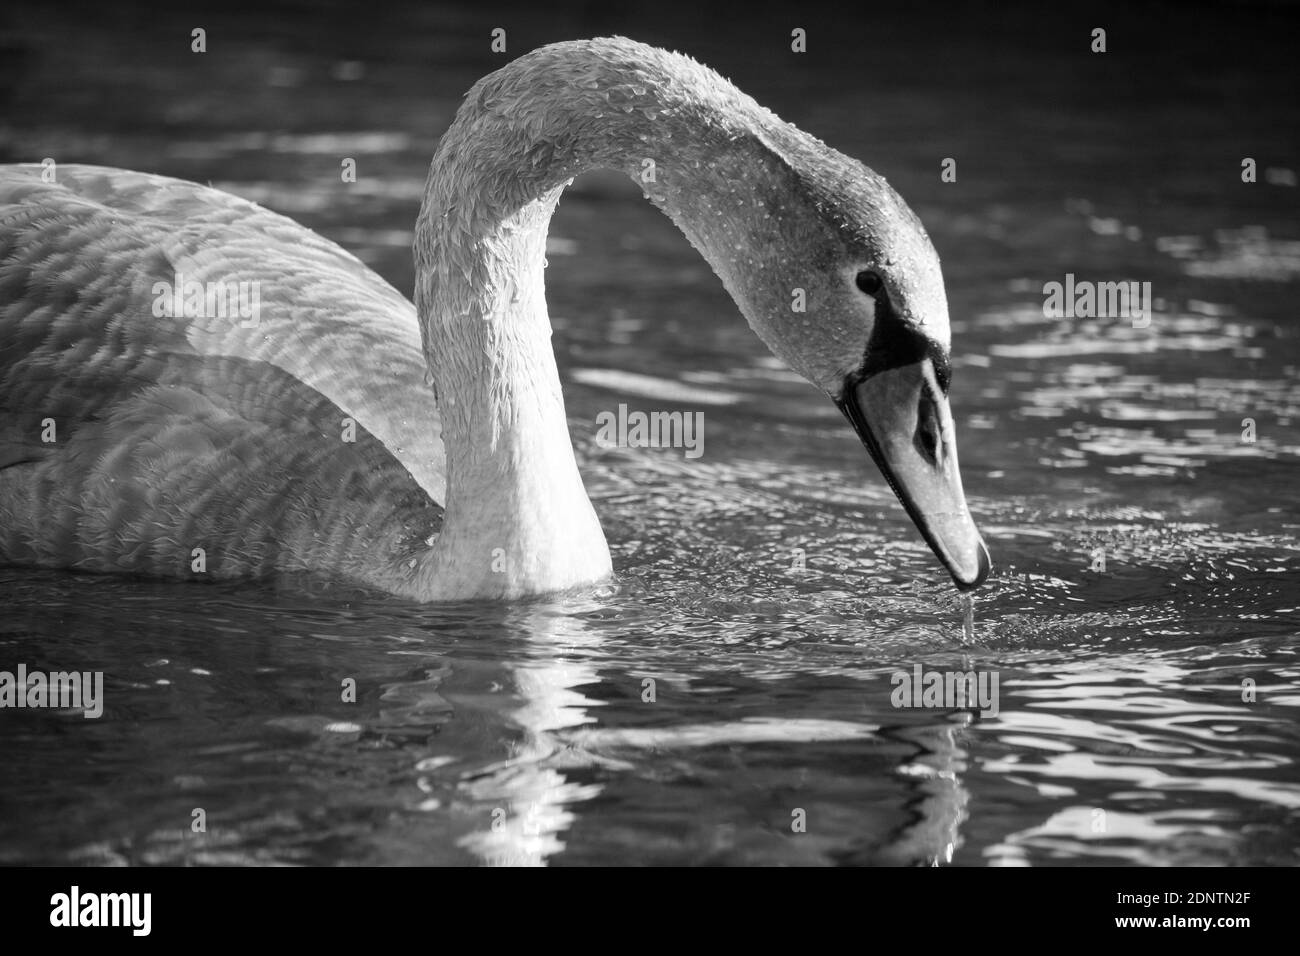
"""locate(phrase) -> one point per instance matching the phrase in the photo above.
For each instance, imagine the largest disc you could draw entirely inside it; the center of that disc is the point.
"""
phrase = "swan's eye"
(869, 282)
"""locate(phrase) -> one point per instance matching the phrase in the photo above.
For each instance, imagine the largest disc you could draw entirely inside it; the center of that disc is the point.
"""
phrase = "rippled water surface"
(770, 588)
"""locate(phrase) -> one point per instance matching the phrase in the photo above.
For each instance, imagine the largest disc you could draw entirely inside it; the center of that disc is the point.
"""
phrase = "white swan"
(188, 445)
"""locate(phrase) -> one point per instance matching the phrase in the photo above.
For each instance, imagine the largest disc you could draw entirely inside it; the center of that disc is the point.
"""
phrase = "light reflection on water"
(521, 734)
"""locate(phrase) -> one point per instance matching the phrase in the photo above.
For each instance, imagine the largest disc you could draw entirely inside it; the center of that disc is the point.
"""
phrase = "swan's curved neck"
(517, 519)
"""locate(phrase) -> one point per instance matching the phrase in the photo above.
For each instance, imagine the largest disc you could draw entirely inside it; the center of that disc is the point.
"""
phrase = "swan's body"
(179, 433)
(174, 433)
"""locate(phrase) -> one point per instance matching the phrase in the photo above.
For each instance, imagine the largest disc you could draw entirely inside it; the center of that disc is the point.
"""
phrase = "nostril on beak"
(927, 430)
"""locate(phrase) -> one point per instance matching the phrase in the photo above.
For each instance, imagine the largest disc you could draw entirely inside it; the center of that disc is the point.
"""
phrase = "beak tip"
(983, 566)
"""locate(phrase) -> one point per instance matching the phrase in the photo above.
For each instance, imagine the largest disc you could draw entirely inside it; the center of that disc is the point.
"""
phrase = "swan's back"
(214, 432)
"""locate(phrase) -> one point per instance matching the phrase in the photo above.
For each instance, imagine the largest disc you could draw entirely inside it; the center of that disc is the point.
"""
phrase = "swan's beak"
(902, 416)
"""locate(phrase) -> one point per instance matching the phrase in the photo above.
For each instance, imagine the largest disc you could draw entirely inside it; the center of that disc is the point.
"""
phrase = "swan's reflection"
(939, 797)
(533, 799)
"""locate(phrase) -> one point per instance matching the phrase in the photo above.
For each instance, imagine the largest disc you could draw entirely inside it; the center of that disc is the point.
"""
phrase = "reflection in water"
(938, 801)
(533, 802)
(533, 797)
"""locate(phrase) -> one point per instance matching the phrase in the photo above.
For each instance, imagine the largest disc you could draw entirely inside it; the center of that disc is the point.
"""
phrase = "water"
(1125, 731)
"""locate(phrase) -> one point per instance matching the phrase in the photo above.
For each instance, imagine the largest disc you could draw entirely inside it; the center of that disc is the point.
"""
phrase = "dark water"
(520, 734)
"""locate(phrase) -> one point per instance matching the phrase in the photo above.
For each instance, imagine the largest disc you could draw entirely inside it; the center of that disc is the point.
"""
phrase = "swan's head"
(873, 333)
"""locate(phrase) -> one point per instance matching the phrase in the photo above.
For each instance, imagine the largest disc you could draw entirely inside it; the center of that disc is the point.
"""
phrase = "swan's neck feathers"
(517, 516)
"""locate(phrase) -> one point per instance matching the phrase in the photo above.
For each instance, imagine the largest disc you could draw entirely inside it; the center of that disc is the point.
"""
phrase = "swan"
(423, 449)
